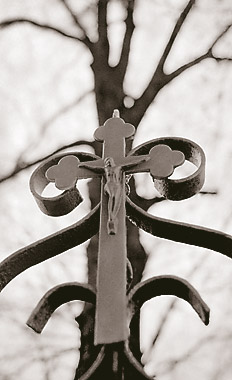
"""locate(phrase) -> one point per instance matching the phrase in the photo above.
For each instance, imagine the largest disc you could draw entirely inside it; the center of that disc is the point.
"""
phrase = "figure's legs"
(112, 219)
(114, 202)
(112, 226)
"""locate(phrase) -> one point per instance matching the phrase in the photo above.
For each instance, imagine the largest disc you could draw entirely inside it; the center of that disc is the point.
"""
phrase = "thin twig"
(188, 65)
(20, 166)
(208, 54)
(145, 204)
(180, 21)
(20, 162)
(63, 110)
(161, 79)
(221, 35)
(171, 364)
(76, 20)
(14, 21)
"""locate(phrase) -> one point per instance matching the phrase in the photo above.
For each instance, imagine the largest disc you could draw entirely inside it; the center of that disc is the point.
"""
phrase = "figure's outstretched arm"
(95, 166)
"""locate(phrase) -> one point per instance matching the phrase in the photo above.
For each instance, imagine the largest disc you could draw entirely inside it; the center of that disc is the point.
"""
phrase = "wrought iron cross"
(115, 311)
(111, 307)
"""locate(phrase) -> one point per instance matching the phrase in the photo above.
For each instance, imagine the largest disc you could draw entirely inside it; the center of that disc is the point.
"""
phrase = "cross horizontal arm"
(160, 161)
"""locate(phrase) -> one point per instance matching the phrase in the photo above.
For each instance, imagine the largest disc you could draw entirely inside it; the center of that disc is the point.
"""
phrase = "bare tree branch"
(171, 364)
(222, 59)
(161, 79)
(20, 162)
(14, 21)
(210, 192)
(63, 110)
(20, 165)
(221, 35)
(76, 20)
(145, 204)
(188, 65)
(130, 26)
(103, 41)
(176, 30)
(208, 54)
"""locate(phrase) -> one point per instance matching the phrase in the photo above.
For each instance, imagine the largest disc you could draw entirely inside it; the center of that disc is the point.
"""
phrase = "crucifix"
(111, 306)
(116, 311)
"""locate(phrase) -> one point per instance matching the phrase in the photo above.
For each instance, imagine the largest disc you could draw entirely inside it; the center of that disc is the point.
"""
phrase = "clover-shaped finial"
(164, 160)
(114, 129)
(64, 174)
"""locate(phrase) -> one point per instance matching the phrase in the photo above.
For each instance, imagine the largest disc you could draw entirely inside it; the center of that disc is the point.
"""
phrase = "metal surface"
(178, 189)
(143, 292)
(63, 203)
(178, 231)
(114, 348)
(167, 285)
(48, 247)
(56, 297)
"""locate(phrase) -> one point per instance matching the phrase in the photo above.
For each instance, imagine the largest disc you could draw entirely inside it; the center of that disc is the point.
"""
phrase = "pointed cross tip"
(116, 113)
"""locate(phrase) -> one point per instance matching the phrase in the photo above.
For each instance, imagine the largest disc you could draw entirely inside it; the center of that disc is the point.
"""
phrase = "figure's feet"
(112, 226)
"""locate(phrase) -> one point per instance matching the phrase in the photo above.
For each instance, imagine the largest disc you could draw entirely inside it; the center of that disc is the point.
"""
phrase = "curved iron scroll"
(48, 247)
(65, 202)
(168, 285)
(179, 231)
(119, 356)
(177, 189)
(87, 227)
(103, 355)
(56, 297)
(145, 291)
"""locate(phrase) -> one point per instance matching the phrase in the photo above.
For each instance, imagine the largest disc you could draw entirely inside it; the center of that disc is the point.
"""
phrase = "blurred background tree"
(166, 65)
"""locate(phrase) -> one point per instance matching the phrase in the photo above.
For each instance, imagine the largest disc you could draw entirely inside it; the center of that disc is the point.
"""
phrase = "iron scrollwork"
(114, 349)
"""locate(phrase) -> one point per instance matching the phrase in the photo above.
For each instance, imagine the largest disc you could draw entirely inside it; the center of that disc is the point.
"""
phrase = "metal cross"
(111, 307)
(116, 312)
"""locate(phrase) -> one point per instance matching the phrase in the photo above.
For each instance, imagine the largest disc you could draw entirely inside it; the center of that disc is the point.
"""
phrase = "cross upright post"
(111, 314)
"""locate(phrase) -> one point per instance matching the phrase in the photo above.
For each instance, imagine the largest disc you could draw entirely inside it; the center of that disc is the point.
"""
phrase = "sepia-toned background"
(49, 100)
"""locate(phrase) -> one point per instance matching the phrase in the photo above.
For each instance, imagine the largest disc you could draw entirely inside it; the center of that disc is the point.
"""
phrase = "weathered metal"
(115, 351)
(56, 297)
(183, 188)
(63, 203)
(144, 291)
(48, 247)
(178, 231)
